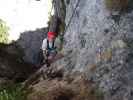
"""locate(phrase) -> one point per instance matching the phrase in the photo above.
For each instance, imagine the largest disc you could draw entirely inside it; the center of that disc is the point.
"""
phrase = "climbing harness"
(51, 49)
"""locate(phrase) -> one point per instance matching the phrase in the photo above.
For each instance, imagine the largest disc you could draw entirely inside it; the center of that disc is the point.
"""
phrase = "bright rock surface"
(100, 45)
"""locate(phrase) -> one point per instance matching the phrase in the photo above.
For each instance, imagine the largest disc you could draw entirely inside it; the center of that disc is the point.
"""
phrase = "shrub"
(12, 92)
(3, 32)
(116, 5)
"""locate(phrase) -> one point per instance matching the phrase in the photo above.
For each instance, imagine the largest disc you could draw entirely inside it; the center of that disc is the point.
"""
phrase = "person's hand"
(45, 53)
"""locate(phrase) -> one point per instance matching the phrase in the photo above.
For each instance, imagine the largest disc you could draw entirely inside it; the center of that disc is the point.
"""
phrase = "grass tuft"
(13, 92)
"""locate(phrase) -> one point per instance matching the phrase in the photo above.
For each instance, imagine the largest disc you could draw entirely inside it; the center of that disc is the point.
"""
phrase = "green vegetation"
(14, 92)
(98, 93)
(63, 9)
(117, 5)
(62, 24)
(3, 32)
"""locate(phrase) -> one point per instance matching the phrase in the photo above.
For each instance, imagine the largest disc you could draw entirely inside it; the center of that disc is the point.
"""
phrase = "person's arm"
(44, 47)
(44, 44)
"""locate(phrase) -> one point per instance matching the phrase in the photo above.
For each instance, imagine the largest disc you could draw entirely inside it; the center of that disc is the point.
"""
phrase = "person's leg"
(47, 59)
(40, 58)
(50, 57)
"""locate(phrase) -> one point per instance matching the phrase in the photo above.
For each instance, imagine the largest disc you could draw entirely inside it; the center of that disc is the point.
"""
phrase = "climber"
(48, 46)
(52, 43)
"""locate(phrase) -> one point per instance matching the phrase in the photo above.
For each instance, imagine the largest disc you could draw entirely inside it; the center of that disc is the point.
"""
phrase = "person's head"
(51, 36)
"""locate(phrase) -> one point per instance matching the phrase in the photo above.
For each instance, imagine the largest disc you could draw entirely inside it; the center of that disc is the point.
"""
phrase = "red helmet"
(51, 35)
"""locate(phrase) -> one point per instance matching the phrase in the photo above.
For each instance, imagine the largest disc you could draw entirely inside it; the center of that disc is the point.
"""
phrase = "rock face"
(12, 66)
(31, 42)
(98, 42)
(18, 59)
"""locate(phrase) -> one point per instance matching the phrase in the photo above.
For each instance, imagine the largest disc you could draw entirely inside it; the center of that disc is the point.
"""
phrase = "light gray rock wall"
(99, 45)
